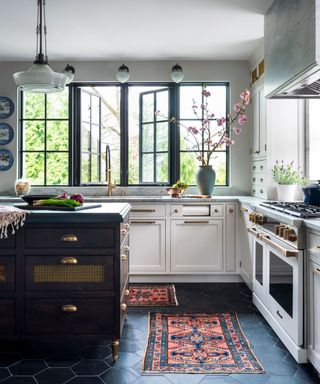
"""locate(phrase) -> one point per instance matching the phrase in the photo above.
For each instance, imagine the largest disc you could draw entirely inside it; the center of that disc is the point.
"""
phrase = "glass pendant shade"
(123, 74)
(177, 74)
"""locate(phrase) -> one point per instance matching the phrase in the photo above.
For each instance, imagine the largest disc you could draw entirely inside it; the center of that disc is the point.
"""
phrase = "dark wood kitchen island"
(66, 274)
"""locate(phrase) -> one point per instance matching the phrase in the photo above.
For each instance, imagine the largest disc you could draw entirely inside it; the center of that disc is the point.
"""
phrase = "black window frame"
(174, 132)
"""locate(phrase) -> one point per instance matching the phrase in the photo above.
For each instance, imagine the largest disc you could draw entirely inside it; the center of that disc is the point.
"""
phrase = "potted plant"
(177, 189)
(288, 180)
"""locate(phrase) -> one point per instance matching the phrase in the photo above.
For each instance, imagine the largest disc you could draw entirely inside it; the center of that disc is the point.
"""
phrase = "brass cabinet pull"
(69, 260)
(126, 225)
(69, 308)
(285, 252)
(142, 210)
(231, 210)
(318, 248)
(261, 190)
(244, 209)
(176, 210)
(253, 232)
(126, 292)
(216, 210)
(69, 237)
(127, 248)
(143, 222)
(123, 257)
(123, 232)
(261, 180)
(123, 306)
(196, 222)
(317, 271)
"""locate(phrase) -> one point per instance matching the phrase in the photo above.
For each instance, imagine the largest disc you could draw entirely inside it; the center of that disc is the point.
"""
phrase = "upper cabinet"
(259, 144)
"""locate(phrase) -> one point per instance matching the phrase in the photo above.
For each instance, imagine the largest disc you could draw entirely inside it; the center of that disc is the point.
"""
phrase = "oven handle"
(285, 252)
(253, 231)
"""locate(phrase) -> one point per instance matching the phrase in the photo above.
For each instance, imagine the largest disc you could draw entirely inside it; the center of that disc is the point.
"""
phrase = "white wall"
(235, 72)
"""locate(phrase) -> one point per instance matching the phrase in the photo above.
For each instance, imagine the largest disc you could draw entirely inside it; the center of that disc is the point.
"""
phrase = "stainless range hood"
(292, 49)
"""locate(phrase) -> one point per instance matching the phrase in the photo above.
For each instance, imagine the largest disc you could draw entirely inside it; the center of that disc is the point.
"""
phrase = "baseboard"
(186, 278)
(298, 353)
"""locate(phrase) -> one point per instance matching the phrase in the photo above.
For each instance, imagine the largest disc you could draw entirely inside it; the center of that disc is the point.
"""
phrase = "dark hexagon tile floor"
(90, 362)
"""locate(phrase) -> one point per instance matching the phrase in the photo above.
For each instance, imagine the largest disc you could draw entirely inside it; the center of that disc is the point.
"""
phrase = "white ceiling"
(135, 29)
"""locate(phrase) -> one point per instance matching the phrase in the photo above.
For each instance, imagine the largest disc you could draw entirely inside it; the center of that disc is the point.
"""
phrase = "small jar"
(22, 187)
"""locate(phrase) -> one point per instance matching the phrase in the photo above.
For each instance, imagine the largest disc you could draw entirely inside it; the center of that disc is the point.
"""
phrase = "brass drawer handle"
(123, 306)
(69, 238)
(126, 225)
(318, 248)
(196, 222)
(69, 260)
(123, 232)
(127, 248)
(123, 257)
(317, 271)
(231, 210)
(244, 209)
(126, 292)
(216, 210)
(143, 222)
(69, 308)
(142, 210)
(176, 210)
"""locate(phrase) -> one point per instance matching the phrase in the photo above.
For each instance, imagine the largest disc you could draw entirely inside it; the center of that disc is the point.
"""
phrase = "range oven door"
(258, 276)
(284, 283)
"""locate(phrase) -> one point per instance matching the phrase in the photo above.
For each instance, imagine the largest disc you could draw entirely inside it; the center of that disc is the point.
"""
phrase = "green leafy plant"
(286, 174)
(180, 184)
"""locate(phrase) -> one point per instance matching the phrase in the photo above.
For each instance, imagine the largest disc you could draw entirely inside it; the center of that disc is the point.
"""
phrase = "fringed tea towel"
(10, 216)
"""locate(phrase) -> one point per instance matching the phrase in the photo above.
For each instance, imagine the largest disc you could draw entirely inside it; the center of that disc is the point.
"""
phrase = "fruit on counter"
(58, 202)
(78, 197)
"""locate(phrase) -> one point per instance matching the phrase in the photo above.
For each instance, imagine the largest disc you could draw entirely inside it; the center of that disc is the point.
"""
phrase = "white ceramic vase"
(287, 192)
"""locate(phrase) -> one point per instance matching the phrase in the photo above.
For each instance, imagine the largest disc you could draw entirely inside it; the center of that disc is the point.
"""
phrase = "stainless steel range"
(278, 274)
(297, 209)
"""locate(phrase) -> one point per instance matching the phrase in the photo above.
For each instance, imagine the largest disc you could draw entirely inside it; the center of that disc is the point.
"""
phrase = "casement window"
(64, 137)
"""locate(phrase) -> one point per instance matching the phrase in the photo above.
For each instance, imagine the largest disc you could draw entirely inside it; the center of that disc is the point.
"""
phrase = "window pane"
(85, 168)
(57, 168)
(148, 108)
(33, 135)
(147, 169)
(147, 134)
(57, 135)
(188, 167)
(95, 168)
(57, 105)
(314, 140)
(85, 137)
(33, 167)
(162, 167)
(162, 137)
(85, 107)
(189, 141)
(95, 110)
(217, 101)
(95, 138)
(33, 105)
(187, 94)
(163, 105)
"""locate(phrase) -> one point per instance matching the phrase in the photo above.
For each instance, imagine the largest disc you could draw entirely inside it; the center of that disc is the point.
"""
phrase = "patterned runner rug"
(198, 343)
(152, 296)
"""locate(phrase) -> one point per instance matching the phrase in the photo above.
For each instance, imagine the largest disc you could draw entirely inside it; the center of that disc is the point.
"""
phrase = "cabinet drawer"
(70, 237)
(69, 273)
(69, 316)
(147, 210)
(9, 242)
(8, 316)
(7, 273)
(313, 244)
(258, 166)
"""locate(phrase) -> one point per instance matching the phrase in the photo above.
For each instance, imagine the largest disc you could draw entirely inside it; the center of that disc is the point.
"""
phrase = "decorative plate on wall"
(6, 133)
(6, 159)
(6, 107)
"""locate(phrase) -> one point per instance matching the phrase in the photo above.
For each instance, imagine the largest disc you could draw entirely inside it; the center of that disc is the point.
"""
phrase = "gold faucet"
(110, 186)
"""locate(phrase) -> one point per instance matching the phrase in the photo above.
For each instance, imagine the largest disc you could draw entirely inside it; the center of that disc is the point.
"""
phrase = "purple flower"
(221, 121)
(193, 130)
(206, 93)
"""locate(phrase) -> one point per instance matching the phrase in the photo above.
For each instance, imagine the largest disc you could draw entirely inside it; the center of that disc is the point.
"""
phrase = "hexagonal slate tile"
(54, 376)
(90, 367)
(27, 367)
(63, 360)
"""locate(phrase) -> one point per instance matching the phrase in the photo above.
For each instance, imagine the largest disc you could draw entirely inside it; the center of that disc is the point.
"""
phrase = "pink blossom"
(193, 130)
(211, 115)
(199, 158)
(237, 130)
(237, 108)
(221, 121)
(242, 119)
(245, 96)
(206, 93)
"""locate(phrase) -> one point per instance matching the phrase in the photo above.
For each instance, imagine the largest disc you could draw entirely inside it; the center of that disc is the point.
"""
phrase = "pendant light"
(177, 74)
(123, 74)
(40, 78)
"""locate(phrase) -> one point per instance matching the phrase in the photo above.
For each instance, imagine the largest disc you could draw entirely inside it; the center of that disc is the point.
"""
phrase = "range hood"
(292, 49)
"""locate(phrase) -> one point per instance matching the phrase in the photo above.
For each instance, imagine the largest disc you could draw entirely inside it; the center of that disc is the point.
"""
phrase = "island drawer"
(9, 242)
(70, 237)
(7, 273)
(69, 316)
(7, 318)
(147, 210)
(69, 273)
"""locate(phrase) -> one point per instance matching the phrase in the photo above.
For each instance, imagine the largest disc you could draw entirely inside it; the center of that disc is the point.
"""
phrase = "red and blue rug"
(152, 295)
(198, 343)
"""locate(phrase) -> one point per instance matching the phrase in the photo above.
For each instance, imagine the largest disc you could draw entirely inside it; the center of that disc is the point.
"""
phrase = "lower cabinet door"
(69, 316)
(314, 314)
(246, 243)
(196, 245)
(147, 246)
(7, 317)
(7, 273)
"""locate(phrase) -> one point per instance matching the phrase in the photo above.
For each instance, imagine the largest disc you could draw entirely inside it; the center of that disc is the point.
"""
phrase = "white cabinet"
(147, 245)
(313, 299)
(258, 121)
(246, 257)
(196, 245)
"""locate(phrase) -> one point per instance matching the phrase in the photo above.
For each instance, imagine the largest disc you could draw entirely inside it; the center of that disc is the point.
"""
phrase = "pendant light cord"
(41, 58)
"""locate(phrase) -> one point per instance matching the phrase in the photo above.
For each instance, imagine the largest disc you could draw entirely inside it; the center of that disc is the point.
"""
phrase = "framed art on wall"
(6, 159)
(6, 107)
(6, 133)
